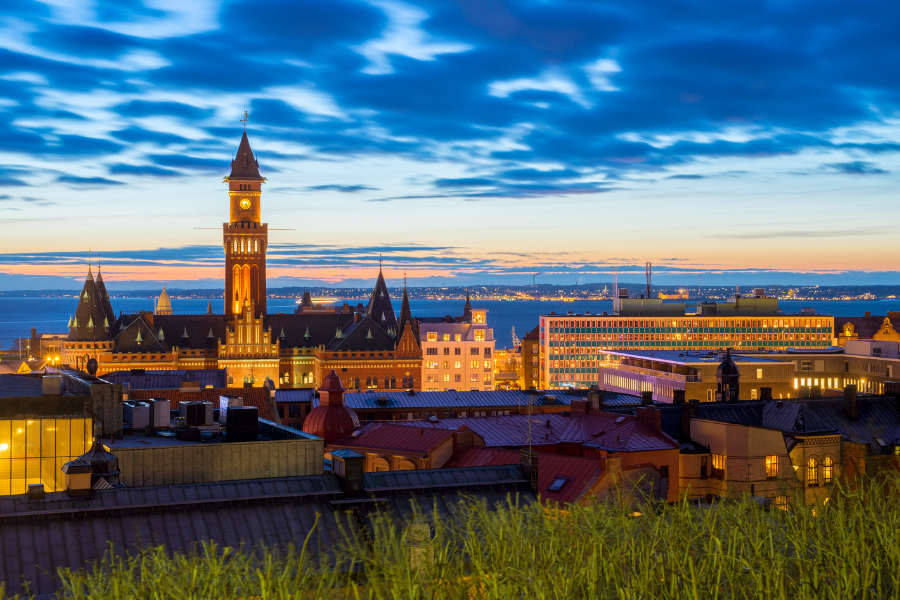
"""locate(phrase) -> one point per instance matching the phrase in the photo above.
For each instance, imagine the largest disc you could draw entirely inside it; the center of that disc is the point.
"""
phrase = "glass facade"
(571, 345)
(34, 451)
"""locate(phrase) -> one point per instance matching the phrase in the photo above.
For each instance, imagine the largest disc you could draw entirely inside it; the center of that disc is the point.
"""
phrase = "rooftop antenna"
(649, 271)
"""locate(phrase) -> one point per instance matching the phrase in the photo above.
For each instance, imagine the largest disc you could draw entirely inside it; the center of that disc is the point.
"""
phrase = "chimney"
(868, 314)
(688, 410)
(650, 418)
(348, 467)
(528, 459)
(850, 402)
(579, 406)
(677, 396)
(765, 394)
(595, 397)
(647, 398)
(815, 391)
(78, 477)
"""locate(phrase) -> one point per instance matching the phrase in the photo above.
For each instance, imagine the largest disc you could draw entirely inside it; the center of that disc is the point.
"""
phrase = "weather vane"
(244, 120)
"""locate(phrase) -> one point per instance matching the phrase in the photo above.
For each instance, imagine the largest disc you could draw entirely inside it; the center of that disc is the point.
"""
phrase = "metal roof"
(20, 386)
(599, 430)
(440, 400)
(395, 438)
(158, 380)
(437, 478)
(683, 357)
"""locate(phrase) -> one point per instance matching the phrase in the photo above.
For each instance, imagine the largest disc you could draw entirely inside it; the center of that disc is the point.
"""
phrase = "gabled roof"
(440, 400)
(320, 328)
(866, 327)
(380, 309)
(534, 334)
(244, 165)
(793, 417)
(877, 418)
(428, 479)
(156, 380)
(363, 335)
(134, 335)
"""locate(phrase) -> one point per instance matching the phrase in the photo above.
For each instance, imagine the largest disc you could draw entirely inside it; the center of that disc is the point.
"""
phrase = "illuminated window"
(457, 337)
(771, 467)
(759, 373)
(473, 364)
(474, 377)
(828, 469)
(487, 364)
(479, 335)
(446, 376)
(432, 336)
(457, 364)
(781, 502)
(812, 472)
(446, 337)
(718, 466)
(446, 364)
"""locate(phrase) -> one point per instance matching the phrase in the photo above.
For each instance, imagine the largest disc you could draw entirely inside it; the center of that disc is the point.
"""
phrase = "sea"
(51, 315)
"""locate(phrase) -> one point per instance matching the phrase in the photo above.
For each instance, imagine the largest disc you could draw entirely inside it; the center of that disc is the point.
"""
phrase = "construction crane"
(649, 269)
(515, 340)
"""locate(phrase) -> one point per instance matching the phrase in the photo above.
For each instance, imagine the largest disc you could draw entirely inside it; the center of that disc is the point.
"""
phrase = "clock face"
(245, 203)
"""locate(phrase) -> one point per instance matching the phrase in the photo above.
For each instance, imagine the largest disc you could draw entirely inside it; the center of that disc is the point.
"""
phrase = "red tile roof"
(395, 438)
(614, 432)
(255, 396)
(485, 457)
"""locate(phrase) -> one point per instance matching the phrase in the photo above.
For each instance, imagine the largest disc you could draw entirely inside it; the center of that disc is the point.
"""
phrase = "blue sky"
(467, 142)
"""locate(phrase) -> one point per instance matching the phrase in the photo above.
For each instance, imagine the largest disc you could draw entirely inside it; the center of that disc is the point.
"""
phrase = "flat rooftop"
(683, 357)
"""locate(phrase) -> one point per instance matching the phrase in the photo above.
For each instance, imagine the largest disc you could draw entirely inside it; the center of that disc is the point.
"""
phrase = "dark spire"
(104, 297)
(244, 165)
(91, 321)
(467, 310)
(405, 313)
(380, 309)
(728, 379)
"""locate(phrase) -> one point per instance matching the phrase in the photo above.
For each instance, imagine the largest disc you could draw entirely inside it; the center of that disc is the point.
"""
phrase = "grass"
(846, 548)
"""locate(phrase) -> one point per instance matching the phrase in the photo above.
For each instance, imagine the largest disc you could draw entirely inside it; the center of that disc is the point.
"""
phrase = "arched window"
(255, 245)
(411, 383)
(387, 383)
(356, 383)
(812, 472)
(368, 382)
(393, 383)
(231, 381)
(404, 382)
(235, 246)
(242, 246)
(406, 465)
(828, 469)
(381, 465)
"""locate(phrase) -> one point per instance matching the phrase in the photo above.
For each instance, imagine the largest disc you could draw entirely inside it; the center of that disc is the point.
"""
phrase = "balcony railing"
(653, 373)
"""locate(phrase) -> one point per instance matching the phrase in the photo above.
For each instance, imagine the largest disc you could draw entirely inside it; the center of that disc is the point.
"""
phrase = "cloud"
(857, 167)
(75, 181)
(142, 170)
(347, 189)
(806, 234)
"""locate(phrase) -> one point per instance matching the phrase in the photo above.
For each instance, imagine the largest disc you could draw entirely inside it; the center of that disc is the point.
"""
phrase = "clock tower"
(246, 238)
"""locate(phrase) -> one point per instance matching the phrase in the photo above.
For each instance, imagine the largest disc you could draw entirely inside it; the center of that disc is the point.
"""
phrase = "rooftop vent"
(381, 400)
(433, 419)
(356, 433)
(557, 484)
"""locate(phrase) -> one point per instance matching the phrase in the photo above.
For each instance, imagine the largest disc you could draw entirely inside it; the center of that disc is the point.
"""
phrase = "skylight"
(620, 419)
(557, 484)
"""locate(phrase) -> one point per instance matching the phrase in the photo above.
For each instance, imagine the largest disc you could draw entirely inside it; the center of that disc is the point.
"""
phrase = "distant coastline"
(540, 292)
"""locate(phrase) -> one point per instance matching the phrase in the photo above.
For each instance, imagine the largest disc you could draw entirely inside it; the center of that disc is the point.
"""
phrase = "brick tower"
(245, 237)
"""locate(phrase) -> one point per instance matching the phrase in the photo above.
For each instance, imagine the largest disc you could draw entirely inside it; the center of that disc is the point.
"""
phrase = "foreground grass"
(847, 548)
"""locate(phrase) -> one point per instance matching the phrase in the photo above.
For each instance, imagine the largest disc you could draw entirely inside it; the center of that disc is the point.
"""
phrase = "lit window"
(474, 377)
(446, 364)
(771, 467)
(718, 465)
(487, 364)
(473, 364)
(457, 337)
(828, 469)
(781, 502)
(446, 376)
(557, 484)
(457, 364)
(759, 373)
(812, 472)
(432, 336)
(479, 335)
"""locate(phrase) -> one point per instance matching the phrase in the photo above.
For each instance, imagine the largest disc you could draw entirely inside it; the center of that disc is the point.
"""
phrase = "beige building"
(458, 356)
(665, 371)
(867, 364)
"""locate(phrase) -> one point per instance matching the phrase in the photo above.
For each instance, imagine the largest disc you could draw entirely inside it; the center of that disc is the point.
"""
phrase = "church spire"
(405, 313)
(467, 310)
(380, 309)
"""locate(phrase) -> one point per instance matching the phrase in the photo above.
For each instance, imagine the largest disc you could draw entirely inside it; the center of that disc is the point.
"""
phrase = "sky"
(478, 141)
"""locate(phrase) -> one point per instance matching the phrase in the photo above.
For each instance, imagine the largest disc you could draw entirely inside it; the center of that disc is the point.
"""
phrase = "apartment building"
(457, 355)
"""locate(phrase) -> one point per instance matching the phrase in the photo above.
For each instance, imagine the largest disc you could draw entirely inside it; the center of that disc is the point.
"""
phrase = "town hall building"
(368, 346)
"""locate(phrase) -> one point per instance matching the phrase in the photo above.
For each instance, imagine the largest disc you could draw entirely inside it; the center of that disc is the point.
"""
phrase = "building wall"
(572, 345)
(661, 458)
(196, 463)
(448, 358)
(744, 449)
(836, 371)
(531, 363)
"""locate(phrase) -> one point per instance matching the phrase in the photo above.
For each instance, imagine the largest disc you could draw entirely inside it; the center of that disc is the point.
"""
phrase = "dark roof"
(20, 386)
(419, 400)
(379, 308)
(576, 471)
(866, 327)
(877, 418)
(321, 328)
(440, 478)
(602, 430)
(534, 334)
(364, 335)
(244, 165)
(104, 298)
(140, 379)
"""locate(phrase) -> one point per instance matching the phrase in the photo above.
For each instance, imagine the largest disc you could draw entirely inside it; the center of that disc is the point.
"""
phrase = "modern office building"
(663, 372)
(457, 355)
(573, 345)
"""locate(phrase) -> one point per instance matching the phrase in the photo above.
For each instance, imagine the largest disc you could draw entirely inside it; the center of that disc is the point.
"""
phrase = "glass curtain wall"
(34, 451)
